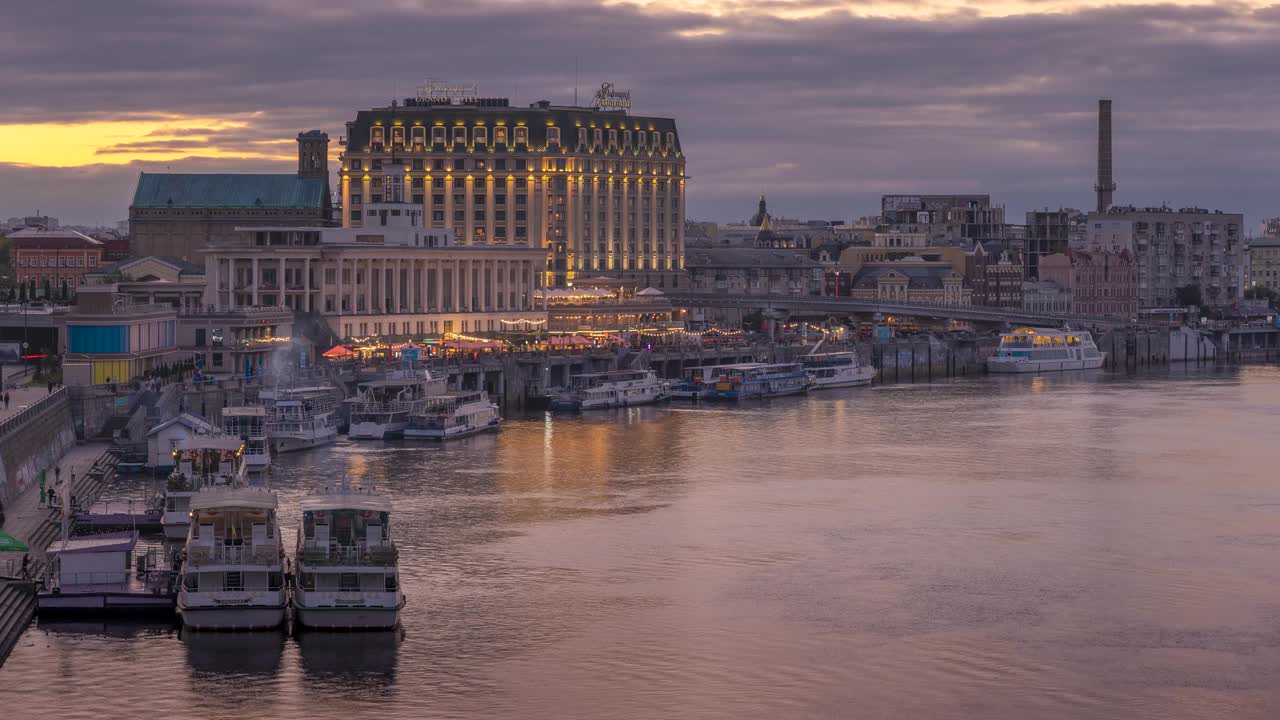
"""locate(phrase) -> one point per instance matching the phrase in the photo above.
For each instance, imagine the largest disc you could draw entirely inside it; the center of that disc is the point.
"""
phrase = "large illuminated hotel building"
(600, 190)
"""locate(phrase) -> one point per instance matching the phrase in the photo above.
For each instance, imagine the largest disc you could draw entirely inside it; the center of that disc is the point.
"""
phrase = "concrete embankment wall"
(33, 441)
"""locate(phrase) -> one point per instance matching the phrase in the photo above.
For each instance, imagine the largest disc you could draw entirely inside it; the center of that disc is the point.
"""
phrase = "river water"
(1068, 546)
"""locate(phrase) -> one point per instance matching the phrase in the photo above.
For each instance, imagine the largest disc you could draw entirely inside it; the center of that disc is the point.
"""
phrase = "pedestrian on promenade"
(51, 496)
(6, 401)
(50, 387)
(26, 565)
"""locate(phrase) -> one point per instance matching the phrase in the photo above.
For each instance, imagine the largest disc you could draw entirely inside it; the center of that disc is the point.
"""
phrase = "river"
(1062, 546)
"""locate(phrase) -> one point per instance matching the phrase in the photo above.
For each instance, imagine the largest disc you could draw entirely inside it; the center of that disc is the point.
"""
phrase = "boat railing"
(221, 554)
(379, 554)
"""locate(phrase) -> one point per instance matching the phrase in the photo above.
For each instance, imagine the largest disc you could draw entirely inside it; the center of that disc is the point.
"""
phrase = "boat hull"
(862, 376)
(105, 603)
(295, 444)
(348, 618)
(751, 395)
(376, 431)
(245, 617)
(1037, 366)
(450, 434)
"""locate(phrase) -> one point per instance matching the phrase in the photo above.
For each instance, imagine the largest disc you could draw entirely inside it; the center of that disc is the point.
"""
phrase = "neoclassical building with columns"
(597, 191)
(392, 276)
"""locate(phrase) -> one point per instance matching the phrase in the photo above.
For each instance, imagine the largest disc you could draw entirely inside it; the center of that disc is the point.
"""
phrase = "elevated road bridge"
(798, 305)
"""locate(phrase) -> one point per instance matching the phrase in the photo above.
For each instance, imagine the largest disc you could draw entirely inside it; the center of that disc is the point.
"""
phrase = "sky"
(822, 104)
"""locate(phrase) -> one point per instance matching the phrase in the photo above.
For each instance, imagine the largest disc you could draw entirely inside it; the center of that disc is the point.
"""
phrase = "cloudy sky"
(823, 104)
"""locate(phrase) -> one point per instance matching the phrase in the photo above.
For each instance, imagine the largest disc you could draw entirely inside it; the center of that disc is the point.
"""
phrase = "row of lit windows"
(596, 138)
(67, 262)
(523, 165)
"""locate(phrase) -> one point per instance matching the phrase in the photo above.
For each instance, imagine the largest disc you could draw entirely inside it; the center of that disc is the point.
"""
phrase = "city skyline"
(822, 109)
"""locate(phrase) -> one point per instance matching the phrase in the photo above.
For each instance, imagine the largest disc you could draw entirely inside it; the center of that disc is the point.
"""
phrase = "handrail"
(39, 406)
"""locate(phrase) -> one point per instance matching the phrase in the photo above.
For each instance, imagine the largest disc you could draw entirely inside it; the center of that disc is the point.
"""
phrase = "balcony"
(223, 554)
(362, 554)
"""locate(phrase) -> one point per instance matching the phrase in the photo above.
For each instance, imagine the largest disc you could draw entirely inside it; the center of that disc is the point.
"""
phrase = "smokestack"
(1106, 184)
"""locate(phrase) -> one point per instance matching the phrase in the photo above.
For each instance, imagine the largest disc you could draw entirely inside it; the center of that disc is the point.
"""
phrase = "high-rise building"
(1175, 249)
(601, 191)
(1048, 232)
(947, 219)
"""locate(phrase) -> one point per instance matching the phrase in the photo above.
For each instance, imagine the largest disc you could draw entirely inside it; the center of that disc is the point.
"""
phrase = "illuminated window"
(480, 136)
(437, 135)
(582, 137)
(459, 136)
(377, 135)
(640, 141)
(596, 138)
(626, 140)
(656, 140)
(613, 139)
(522, 135)
(500, 136)
(397, 135)
(553, 136)
(419, 135)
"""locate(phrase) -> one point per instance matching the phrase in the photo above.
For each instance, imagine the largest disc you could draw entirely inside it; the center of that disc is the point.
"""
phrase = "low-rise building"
(58, 257)
(391, 276)
(996, 280)
(1102, 283)
(911, 280)
(1046, 298)
(112, 338)
(753, 271)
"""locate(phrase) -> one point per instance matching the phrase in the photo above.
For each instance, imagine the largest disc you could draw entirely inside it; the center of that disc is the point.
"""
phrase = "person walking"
(6, 401)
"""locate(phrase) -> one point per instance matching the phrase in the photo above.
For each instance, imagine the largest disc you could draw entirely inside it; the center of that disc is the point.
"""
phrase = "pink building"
(1102, 283)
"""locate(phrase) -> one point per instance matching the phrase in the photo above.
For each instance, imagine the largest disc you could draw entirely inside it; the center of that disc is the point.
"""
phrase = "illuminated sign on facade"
(609, 97)
(442, 90)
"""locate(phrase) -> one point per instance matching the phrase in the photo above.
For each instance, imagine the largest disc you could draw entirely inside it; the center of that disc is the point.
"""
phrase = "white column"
(395, 286)
(280, 281)
(368, 285)
(438, 290)
(253, 282)
(306, 284)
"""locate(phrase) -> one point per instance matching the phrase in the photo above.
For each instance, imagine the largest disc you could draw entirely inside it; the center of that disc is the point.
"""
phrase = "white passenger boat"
(301, 418)
(1038, 350)
(233, 575)
(617, 388)
(760, 381)
(454, 415)
(212, 460)
(837, 369)
(347, 575)
(382, 408)
(249, 423)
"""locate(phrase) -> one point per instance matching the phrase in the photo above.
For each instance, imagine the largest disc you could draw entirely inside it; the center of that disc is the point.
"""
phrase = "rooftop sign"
(442, 90)
(609, 97)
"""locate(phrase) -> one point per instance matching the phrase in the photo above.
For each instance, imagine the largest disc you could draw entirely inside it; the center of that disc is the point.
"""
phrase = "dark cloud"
(823, 113)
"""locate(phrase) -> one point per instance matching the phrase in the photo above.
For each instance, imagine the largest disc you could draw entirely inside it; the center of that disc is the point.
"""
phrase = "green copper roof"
(226, 190)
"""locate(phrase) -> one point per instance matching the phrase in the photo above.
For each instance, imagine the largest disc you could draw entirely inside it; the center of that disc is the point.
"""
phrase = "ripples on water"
(1027, 547)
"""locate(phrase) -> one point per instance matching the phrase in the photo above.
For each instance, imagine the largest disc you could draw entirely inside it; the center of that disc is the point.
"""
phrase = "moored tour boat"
(383, 407)
(249, 423)
(613, 389)
(837, 369)
(696, 382)
(454, 415)
(200, 461)
(347, 574)
(301, 418)
(232, 577)
(1039, 350)
(760, 380)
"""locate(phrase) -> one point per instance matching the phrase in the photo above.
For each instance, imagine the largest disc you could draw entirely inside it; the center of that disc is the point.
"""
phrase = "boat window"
(192, 582)
(234, 581)
(392, 584)
(348, 581)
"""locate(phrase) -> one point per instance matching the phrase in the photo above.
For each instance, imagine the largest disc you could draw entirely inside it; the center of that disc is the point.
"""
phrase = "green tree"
(48, 294)
(1190, 295)
(1260, 292)
(22, 292)
(64, 292)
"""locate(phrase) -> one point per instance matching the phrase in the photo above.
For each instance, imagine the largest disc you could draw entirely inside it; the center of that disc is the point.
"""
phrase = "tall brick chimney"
(1106, 184)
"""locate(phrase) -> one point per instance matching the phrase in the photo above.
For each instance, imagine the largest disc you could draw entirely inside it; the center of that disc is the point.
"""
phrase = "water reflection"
(332, 662)
(216, 658)
(1055, 547)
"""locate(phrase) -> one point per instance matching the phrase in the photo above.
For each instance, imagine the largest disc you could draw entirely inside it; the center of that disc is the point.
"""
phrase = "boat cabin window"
(344, 527)
(349, 581)
(233, 581)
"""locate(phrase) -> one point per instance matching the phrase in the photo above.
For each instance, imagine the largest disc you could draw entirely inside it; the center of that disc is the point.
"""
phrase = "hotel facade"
(599, 192)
